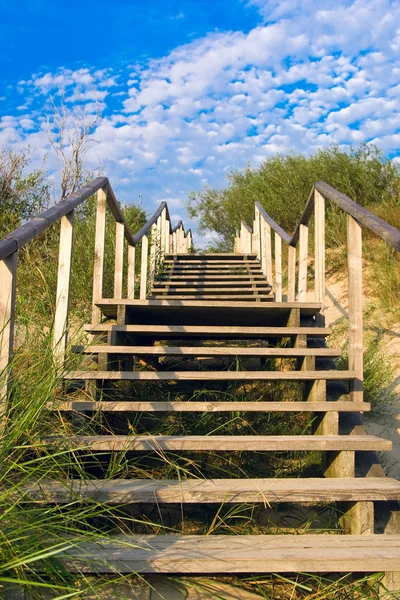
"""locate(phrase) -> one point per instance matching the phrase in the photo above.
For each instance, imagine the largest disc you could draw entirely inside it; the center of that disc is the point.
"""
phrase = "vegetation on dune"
(282, 184)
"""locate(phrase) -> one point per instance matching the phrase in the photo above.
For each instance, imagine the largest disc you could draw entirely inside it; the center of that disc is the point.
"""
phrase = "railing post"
(153, 251)
(303, 258)
(162, 232)
(143, 270)
(119, 259)
(99, 246)
(266, 252)
(131, 271)
(291, 273)
(354, 261)
(60, 333)
(256, 233)
(8, 283)
(167, 236)
(278, 268)
(319, 227)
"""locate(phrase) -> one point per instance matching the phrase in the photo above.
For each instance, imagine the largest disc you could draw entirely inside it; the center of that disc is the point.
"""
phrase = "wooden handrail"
(258, 239)
(281, 232)
(24, 234)
(157, 237)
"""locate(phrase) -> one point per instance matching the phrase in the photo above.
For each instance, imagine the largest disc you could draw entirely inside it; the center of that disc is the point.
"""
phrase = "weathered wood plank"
(132, 406)
(332, 375)
(209, 331)
(214, 351)
(131, 272)
(206, 491)
(271, 443)
(235, 554)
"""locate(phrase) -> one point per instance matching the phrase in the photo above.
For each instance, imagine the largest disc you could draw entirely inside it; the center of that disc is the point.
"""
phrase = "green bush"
(282, 185)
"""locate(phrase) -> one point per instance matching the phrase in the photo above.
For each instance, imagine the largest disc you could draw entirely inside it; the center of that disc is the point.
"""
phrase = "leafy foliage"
(282, 184)
(22, 194)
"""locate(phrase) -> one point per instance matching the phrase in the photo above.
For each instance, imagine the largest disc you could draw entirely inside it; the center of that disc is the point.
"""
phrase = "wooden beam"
(119, 259)
(143, 270)
(8, 283)
(303, 258)
(291, 273)
(60, 334)
(131, 271)
(319, 226)
(355, 311)
(278, 268)
(99, 246)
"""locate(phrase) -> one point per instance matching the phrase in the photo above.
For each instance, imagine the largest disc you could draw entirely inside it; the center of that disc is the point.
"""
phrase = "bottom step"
(217, 554)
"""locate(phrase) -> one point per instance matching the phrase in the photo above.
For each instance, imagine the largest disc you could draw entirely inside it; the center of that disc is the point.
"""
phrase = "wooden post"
(119, 259)
(319, 226)
(291, 273)
(303, 257)
(143, 270)
(60, 333)
(167, 236)
(131, 271)
(162, 232)
(278, 268)
(99, 246)
(354, 261)
(266, 251)
(153, 251)
(8, 283)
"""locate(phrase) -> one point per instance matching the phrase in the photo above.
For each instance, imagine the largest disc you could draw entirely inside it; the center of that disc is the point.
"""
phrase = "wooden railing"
(258, 239)
(157, 237)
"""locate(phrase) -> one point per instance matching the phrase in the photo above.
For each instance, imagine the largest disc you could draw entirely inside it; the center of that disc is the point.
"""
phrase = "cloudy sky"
(189, 90)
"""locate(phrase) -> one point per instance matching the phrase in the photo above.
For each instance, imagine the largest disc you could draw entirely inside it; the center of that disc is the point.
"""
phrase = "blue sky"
(189, 90)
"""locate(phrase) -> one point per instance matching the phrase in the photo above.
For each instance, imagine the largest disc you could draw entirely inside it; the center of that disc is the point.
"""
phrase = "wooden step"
(234, 351)
(206, 491)
(255, 297)
(224, 554)
(211, 256)
(263, 288)
(226, 406)
(212, 375)
(208, 309)
(183, 285)
(210, 331)
(214, 262)
(183, 278)
(272, 443)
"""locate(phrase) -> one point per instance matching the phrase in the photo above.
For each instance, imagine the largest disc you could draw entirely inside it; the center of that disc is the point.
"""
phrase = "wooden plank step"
(205, 262)
(212, 375)
(272, 443)
(224, 554)
(263, 288)
(183, 278)
(220, 285)
(214, 271)
(210, 331)
(206, 491)
(211, 256)
(213, 351)
(256, 296)
(131, 406)
(208, 309)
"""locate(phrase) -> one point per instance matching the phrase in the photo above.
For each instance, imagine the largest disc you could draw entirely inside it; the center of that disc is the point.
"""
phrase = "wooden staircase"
(222, 319)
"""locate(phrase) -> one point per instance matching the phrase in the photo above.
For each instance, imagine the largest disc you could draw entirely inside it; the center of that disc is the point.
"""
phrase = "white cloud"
(310, 75)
